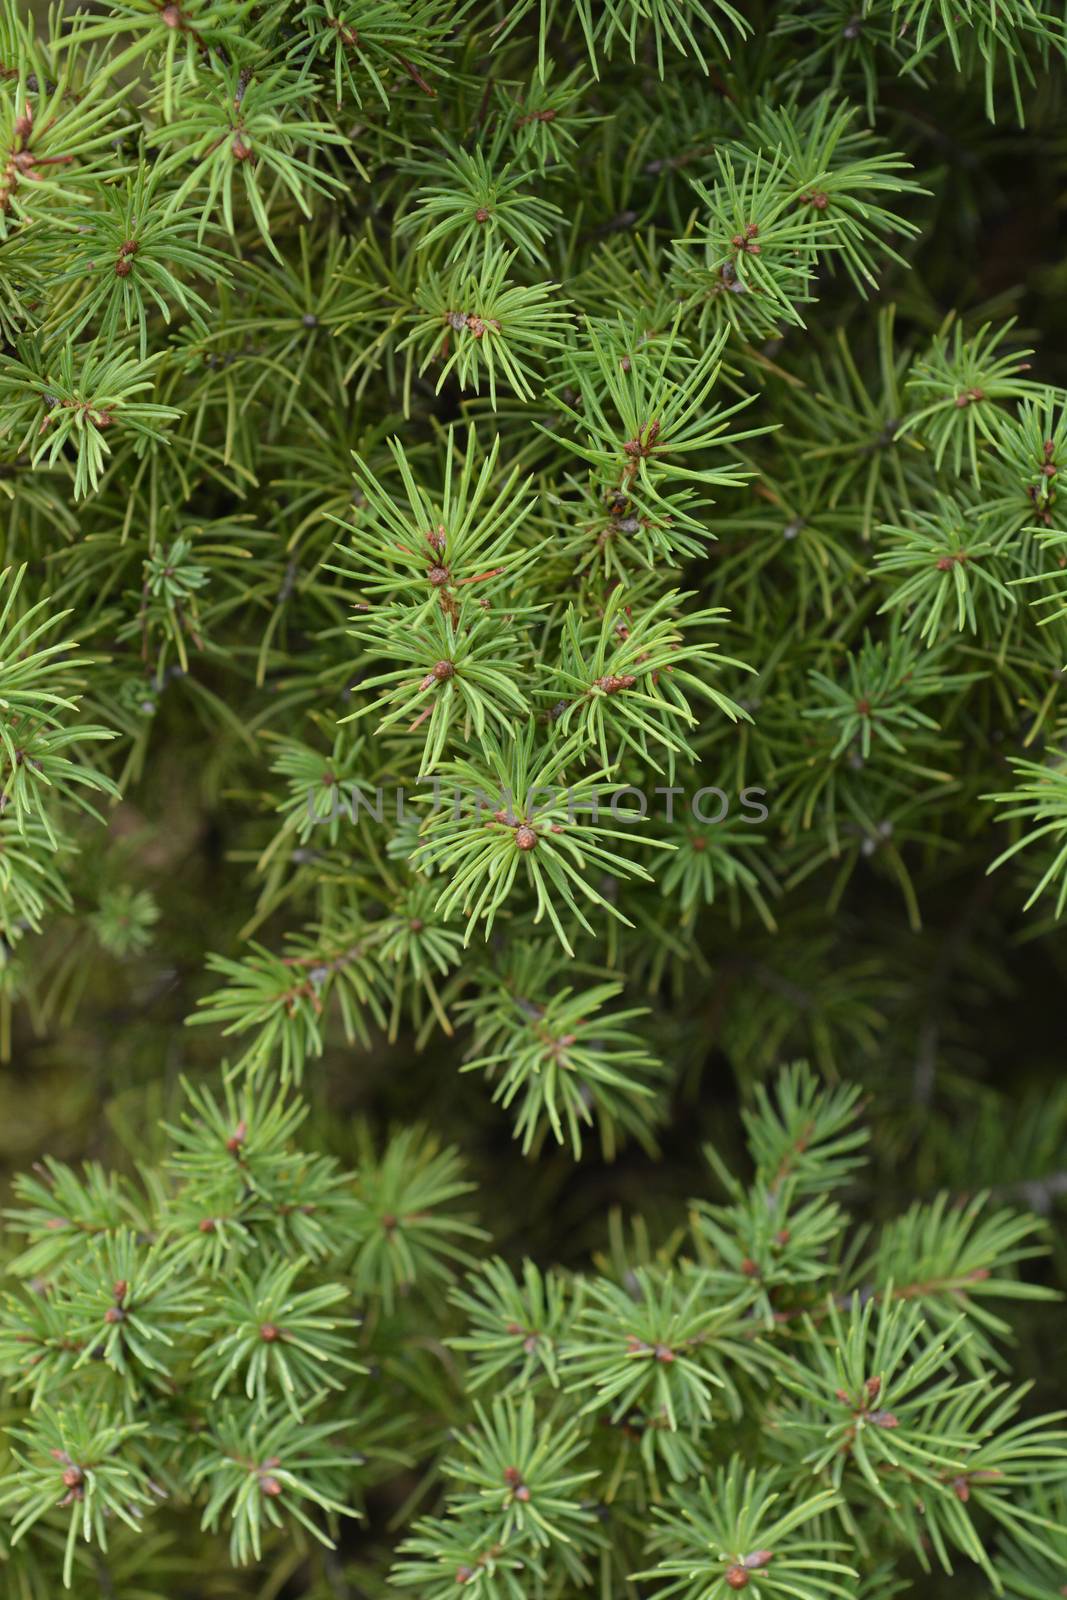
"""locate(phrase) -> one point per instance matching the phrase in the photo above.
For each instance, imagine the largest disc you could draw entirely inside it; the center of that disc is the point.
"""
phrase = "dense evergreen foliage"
(533, 816)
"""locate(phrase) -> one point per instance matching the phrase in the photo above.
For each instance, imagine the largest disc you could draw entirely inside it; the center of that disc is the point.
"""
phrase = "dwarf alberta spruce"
(532, 591)
(769, 1401)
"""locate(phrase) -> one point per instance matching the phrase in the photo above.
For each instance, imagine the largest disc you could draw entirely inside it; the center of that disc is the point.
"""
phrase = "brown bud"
(482, 214)
(123, 267)
(114, 1314)
(758, 1559)
(522, 1493)
(443, 671)
(873, 1387)
(512, 1476)
(270, 1486)
(268, 1333)
(240, 148)
(72, 1477)
(749, 1268)
(525, 838)
(237, 1138)
(438, 576)
(464, 1574)
(737, 1577)
(207, 1224)
(172, 17)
